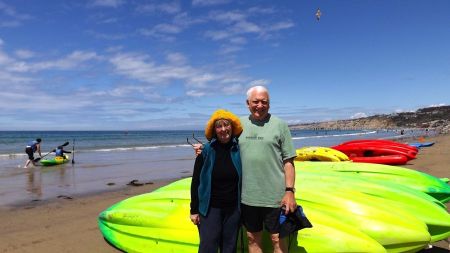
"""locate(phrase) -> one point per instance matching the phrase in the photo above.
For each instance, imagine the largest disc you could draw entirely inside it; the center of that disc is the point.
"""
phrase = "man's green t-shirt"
(264, 146)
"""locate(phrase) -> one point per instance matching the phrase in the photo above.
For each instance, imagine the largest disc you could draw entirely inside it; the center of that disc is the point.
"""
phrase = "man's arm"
(289, 175)
(38, 147)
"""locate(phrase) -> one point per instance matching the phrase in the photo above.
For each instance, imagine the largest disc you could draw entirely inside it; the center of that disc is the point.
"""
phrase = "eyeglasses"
(187, 140)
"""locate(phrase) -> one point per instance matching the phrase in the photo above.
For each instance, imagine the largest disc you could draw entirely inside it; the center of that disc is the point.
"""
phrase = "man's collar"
(260, 122)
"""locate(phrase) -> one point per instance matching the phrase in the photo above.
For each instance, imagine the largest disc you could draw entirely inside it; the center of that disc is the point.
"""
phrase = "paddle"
(73, 152)
(39, 158)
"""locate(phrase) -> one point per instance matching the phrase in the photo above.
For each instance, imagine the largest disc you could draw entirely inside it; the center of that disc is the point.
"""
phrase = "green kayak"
(344, 219)
(55, 161)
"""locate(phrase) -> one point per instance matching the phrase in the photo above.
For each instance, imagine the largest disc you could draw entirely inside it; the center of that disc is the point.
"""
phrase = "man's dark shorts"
(30, 153)
(253, 218)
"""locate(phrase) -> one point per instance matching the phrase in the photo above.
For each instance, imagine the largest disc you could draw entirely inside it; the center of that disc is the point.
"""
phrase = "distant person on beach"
(268, 172)
(31, 148)
(216, 185)
(59, 151)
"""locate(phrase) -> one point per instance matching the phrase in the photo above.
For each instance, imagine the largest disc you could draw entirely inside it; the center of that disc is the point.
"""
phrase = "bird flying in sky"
(318, 14)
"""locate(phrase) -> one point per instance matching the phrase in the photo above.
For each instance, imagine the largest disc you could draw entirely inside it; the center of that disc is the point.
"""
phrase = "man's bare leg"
(254, 242)
(279, 245)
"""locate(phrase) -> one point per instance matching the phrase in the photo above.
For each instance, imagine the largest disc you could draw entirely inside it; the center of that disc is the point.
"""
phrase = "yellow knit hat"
(223, 114)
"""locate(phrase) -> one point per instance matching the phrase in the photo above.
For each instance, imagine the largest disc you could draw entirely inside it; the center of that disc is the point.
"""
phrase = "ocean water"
(106, 160)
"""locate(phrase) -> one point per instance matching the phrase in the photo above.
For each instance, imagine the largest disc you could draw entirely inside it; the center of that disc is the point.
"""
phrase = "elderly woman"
(216, 185)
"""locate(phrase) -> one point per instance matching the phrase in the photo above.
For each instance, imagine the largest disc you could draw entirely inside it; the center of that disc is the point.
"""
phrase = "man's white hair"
(258, 88)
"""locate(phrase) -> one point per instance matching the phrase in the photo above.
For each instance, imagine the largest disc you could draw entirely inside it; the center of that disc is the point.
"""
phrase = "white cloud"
(358, 115)
(238, 40)
(195, 93)
(227, 17)
(11, 12)
(4, 58)
(107, 36)
(209, 2)
(261, 82)
(163, 32)
(71, 61)
(24, 54)
(139, 67)
(169, 8)
(218, 35)
(10, 23)
(281, 26)
(176, 58)
(196, 80)
(7, 78)
(246, 27)
(184, 20)
(239, 27)
(200, 80)
(233, 89)
(261, 10)
(38, 102)
(107, 3)
(228, 49)
(167, 28)
(294, 121)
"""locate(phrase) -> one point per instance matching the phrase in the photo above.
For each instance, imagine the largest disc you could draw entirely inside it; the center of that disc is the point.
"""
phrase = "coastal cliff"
(429, 118)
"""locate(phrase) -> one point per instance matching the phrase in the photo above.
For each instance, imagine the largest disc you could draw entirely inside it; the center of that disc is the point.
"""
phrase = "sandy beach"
(69, 224)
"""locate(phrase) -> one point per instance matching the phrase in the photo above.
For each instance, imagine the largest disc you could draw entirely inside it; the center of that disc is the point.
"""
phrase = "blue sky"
(132, 65)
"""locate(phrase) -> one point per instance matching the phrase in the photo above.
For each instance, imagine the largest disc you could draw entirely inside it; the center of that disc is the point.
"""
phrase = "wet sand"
(62, 224)
(69, 223)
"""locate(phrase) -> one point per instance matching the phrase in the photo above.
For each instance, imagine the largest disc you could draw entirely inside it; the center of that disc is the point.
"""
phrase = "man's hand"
(289, 202)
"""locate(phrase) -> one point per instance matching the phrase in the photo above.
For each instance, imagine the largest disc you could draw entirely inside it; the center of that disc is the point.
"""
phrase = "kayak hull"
(55, 161)
(320, 154)
(158, 222)
(421, 144)
(385, 159)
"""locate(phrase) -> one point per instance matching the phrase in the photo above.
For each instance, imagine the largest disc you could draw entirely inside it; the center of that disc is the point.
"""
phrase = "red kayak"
(369, 150)
(381, 142)
(385, 159)
(364, 148)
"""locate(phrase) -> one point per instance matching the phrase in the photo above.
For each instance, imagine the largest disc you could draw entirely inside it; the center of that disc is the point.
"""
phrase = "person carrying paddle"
(30, 149)
(59, 151)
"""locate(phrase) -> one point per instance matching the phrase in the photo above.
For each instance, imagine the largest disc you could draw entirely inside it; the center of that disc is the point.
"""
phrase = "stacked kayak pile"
(366, 151)
(354, 207)
(378, 151)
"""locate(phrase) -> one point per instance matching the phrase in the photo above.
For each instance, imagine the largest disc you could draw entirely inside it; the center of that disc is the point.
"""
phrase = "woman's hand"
(197, 148)
(195, 218)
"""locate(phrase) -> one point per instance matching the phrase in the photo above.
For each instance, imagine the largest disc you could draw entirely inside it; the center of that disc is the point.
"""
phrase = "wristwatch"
(290, 189)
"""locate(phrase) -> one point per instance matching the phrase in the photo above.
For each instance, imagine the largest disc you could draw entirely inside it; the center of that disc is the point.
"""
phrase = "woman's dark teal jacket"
(209, 156)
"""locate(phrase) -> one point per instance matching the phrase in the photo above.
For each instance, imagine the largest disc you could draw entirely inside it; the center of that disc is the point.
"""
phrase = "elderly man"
(268, 173)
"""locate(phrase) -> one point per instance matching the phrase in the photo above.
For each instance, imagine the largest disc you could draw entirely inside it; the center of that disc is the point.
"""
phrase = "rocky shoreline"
(433, 118)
